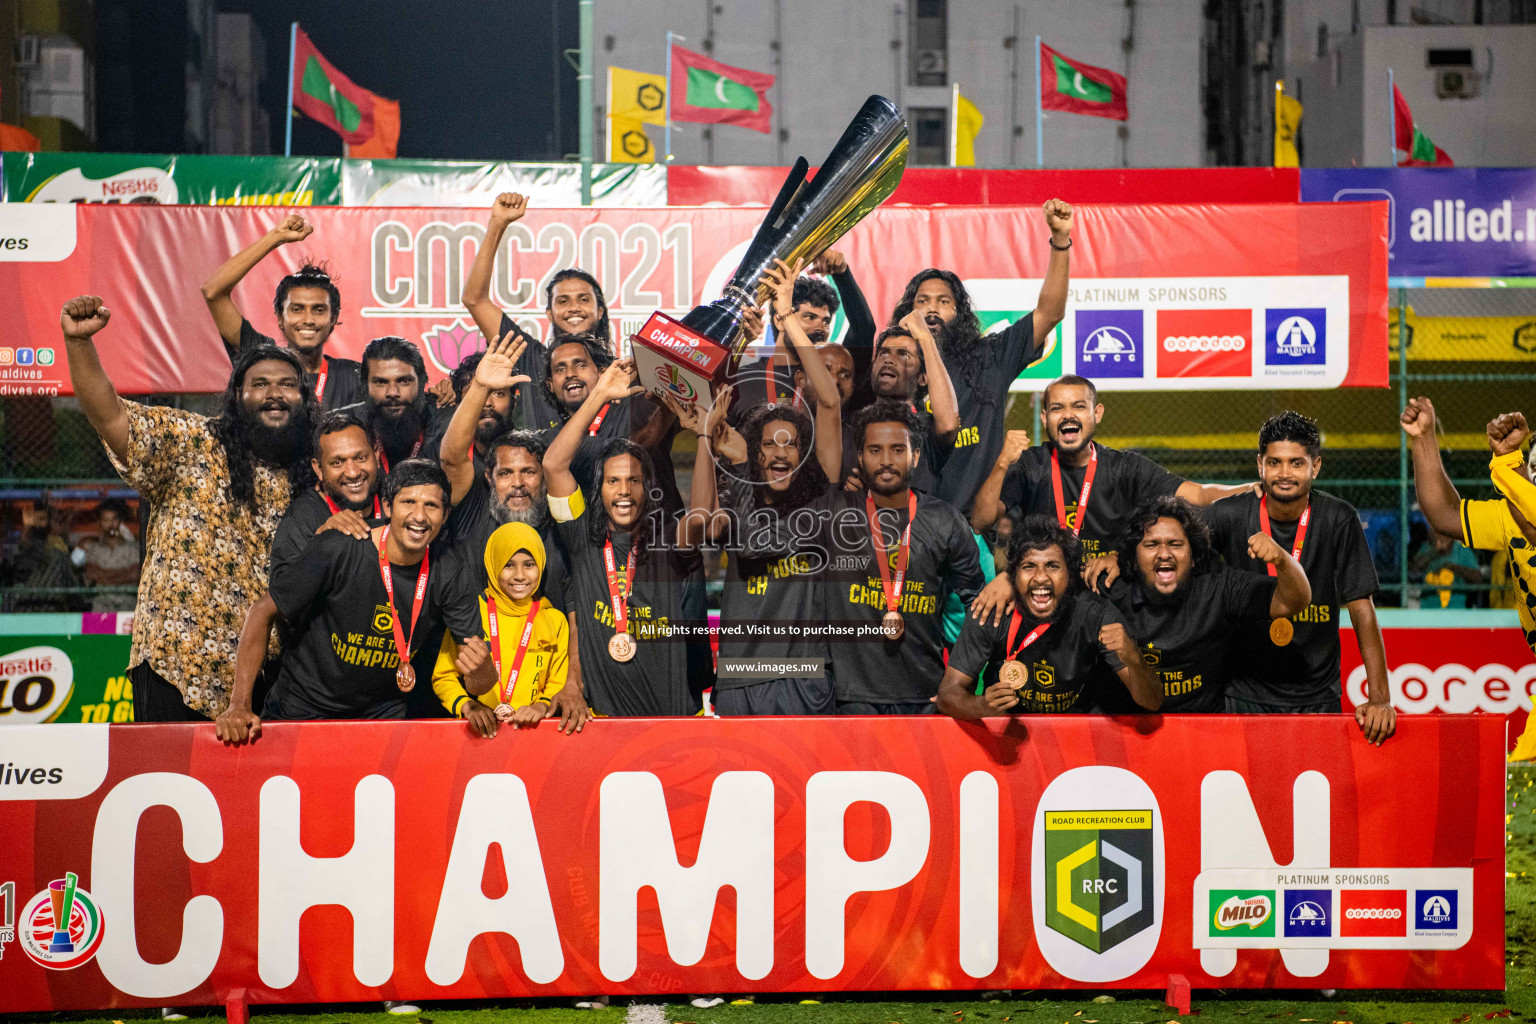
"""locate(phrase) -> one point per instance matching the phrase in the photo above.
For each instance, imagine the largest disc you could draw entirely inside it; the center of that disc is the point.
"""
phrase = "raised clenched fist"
(1263, 547)
(1058, 217)
(1418, 418)
(830, 262)
(293, 229)
(1507, 433)
(83, 316)
(508, 207)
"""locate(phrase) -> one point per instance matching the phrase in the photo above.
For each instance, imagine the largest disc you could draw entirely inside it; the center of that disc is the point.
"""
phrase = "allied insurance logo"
(1295, 337)
(1097, 860)
(1435, 909)
(61, 926)
(1204, 342)
(1109, 343)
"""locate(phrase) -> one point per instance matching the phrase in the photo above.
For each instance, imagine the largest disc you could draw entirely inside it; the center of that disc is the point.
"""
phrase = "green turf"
(1518, 1003)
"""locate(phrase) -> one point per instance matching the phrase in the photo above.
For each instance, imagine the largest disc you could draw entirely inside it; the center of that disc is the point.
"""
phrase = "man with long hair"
(1186, 609)
(983, 367)
(307, 306)
(627, 578)
(1044, 658)
(216, 488)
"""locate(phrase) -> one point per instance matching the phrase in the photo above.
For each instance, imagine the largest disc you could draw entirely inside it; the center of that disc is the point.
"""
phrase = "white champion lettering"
(1205, 343)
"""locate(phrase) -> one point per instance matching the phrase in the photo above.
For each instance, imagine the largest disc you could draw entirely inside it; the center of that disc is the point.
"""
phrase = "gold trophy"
(692, 356)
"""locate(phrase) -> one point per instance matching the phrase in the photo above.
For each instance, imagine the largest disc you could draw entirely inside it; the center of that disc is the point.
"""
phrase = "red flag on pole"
(326, 95)
(1078, 88)
(1417, 149)
(714, 93)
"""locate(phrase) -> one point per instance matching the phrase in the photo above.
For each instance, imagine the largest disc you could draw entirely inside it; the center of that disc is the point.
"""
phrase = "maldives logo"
(1204, 342)
(1240, 908)
(61, 926)
(1436, 909)
(671, 378)
(1098, 866)
(1295, 337)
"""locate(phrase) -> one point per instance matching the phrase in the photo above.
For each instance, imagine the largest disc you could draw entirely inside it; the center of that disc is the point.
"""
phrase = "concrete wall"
(836, 52)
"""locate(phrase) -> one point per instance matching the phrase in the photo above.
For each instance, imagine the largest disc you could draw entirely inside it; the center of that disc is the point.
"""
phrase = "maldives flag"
(714, 93)
(1417, 148)
(1078, 88)
(330, 97)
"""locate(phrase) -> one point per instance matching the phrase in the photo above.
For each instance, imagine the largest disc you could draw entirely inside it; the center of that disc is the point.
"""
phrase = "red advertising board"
(412, 860)
(971, 186)
(401, 271)
(1464, 670)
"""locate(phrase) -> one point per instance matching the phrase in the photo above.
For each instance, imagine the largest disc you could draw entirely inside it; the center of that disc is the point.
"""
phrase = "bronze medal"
(621, 647)
(504, 712)
(892, 626)
(1281, 631)
(1012, 674)
(405, 677)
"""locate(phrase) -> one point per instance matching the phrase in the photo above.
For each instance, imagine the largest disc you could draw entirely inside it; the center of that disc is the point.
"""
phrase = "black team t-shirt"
(296, 530)
(1337, 561)
(655, 681)
(343, 377)
(623, 419)
(1063, 662)
(866, 667)
(932, 453)
(772, 580)
(1122, 481)
(984, 411)
(469, 530)
(342, 660)
(1187, 644)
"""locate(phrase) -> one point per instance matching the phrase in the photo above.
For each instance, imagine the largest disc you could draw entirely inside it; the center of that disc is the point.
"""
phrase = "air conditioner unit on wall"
(930, 62)
(1458, 83)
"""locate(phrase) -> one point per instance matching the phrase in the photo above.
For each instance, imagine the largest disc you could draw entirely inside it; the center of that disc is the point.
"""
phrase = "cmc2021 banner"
(1163, 297)
(151, 866)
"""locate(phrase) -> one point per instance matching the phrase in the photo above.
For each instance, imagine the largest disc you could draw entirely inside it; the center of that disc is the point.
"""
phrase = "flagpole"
(293, 45)
(1391, 120)
(954, 124)
(667, 131)
(608, 119)
(584, 97)
(1039, 112)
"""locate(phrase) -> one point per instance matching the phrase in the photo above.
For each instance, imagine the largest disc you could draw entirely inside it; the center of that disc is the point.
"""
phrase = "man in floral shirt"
(216, 488)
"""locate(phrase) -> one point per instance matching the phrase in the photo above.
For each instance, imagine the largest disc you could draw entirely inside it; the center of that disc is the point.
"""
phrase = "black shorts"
(777, 697)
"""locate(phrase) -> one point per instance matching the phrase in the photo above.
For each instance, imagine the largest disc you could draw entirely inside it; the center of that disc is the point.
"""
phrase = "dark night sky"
(475, 78)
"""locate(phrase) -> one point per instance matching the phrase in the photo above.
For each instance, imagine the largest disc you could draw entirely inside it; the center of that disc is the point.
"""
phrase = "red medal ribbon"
(403, 639)
(892, 589)
(597, 420)
(320, 384)
(620, 599)
(1010, 653)
(505, 689)
(378, 450)
(1082, 498)
(1301, 530)
(377, 513)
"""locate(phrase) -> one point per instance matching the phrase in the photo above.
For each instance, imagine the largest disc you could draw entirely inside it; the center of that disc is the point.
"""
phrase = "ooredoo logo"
(1204, 342)
(61, 926)
(1373, 912)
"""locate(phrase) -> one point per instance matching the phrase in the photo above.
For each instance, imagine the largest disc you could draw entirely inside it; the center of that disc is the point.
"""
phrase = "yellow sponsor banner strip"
(1466, 338)
(1097, 819)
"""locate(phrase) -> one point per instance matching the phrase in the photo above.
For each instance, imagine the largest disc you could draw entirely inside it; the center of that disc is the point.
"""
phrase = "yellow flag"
(968, 122)
(628, 143)
(637, 96)
(1287, 120)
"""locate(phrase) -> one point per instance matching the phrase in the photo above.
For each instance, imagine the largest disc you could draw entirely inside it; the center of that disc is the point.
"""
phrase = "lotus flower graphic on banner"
(447, 346)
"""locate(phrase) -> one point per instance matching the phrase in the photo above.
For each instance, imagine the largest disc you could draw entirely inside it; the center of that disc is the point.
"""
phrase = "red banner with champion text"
(1306, 283)
(412, 860)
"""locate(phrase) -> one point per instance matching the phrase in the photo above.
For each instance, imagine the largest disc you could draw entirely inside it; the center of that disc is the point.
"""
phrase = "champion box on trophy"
(671, 359)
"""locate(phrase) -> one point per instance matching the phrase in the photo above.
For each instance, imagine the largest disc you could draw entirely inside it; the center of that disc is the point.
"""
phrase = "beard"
(1157, 598)
(485, 433)
(366, 505)
(398, 434)
(275, 446)
(884, 489)
(534, 515)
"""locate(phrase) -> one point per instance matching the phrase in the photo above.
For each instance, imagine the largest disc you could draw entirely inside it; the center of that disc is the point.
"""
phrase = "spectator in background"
(308, 308)
(1448, 567)
(41, 561)
(113, 560)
